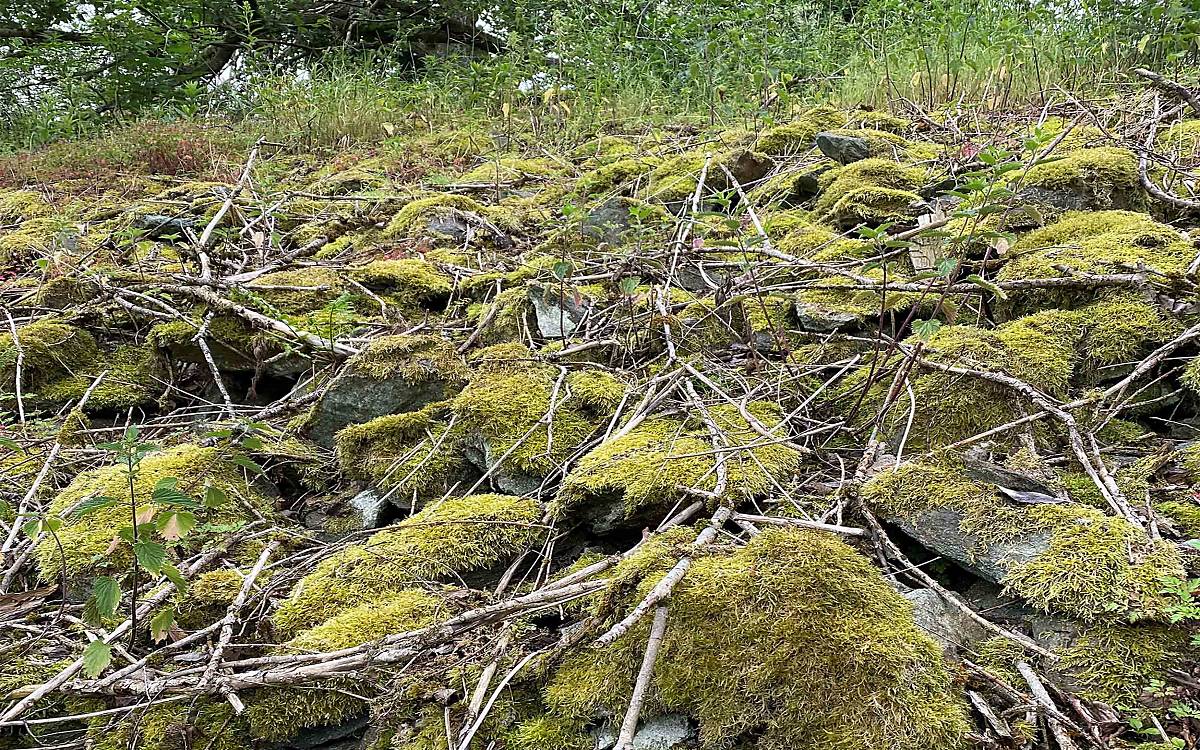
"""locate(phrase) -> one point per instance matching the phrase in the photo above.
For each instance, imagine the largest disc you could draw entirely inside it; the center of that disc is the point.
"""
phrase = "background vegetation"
(328, 74)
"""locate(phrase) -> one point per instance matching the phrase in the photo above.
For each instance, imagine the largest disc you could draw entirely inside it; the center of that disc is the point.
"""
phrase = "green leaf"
(107, 593)
(986, 285)
(562, 269)
(161, 624)
(252, 443)
(214, 496)
(248, 464)
(176, 577)
(96, 658)
(150, 555)
(10, 444)
(174, 525)
(93, 504)
(925, 330)
(946, 266)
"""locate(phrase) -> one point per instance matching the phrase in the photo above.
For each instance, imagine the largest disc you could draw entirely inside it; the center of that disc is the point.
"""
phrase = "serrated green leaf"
(161, 624)
(248, 464)
(925, 330)
(93, 504)
(214, 497)
(174, 575)
(96, 658)
(175, 524)
(107, 594)
(150, 555)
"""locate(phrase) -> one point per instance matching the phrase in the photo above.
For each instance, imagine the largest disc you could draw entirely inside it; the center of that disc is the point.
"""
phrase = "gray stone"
(359, 395)
(370, 506)
(556, 318)
(669, 732)
(945, 623)
(938, 529)
(844, 149)
(822, 319)
(609, 222)
(503, 478)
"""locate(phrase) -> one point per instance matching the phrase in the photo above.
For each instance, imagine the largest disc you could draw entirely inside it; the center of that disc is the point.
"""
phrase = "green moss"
(208, 597)
(602, 149)
(509, 170)
(35, 237)
(416, 359)
(136, 375)
(1116, 664)
(652, 465)
(49, 350)
(406, 610)
(1182, 138)
(411, 220)
(457, 536)
(548, 733)
(174, 726)
(21, 205)
(1050, 350)
(1184, 515)
(1093, 567)
(508, 408)
(880, 121)
(871, 191)
(675, 179)
(999, 655)
(612, 176)
(278, 714)
(86, 541)
(312, 288)
(1103, 177)
(396, 453)
(1094, 242)
(409, 282)
(798, 136)
(792, 641)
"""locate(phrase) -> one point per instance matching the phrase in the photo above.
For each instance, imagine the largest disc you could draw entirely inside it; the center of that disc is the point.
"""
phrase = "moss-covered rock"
(632, 478)
(1093, 242)
(793, 641)
(1053, 350)
(871, 191)
(457, 536)
(1088, 178)
(394, 374)
(522, 419)
(1068, 559)
(87, 547)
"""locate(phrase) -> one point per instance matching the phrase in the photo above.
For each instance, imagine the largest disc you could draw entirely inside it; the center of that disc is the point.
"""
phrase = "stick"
(629, 725)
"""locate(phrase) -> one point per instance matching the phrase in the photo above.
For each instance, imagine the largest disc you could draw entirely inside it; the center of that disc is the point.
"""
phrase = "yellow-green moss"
(871, 191)
(405, 610)
(512, 170)
(416, 359)
(50, 350)
(396, 453)
(613, 175)
(1093, 567)
(1106, 177)
(655, 462)
(1117, 663)
(1184, 515)
(136, 375)
(1050, 350)
(316, 287)
(410, 282)
(1093, 242)
(410, 220)
(999, 655)
(278, 714)
(86, 540)
(212, 725)
(508, 407)
(35, 237)
(457, 536)
(798, 135)
(20, 205)
(794, 640)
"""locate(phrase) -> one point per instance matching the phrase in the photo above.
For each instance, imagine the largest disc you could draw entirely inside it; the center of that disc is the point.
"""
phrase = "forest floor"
(865, 430)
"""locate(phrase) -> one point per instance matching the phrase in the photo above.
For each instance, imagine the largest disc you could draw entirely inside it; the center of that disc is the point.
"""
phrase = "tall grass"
(570, 66)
